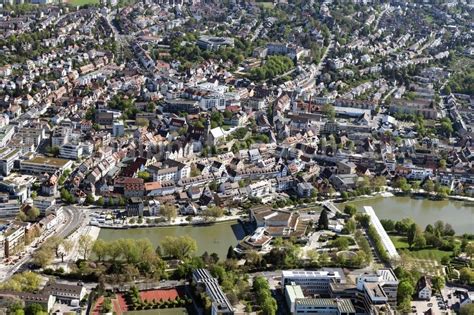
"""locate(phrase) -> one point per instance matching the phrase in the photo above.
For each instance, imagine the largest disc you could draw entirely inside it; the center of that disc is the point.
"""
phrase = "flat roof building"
(40, 165)
(220, 303)
(386, 241)
(312, 282)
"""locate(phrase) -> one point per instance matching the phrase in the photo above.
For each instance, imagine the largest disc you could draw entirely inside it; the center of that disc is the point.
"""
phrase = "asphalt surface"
(75, 217)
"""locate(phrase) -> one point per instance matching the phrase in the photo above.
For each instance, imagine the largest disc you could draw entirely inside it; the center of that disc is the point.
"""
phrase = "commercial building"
(40, 165)
(312, 282)
(220, 303)
(214, 43)
(325, 306)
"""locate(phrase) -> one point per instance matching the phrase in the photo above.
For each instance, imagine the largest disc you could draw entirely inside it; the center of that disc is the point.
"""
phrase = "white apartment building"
(260, 189)
(6, 134)
(71, 151)
(8, 156)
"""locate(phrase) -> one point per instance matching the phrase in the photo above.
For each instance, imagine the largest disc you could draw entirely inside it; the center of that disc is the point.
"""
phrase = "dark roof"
(55, 288)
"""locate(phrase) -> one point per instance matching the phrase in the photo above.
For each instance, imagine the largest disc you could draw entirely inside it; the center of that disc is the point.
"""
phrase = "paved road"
(75, 217)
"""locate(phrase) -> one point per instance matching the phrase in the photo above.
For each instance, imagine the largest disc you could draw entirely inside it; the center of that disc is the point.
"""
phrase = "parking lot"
(436, 305)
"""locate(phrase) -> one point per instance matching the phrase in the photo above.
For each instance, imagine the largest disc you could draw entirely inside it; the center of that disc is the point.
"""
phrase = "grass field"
(169, 311)
(425, 260)
(82, 2)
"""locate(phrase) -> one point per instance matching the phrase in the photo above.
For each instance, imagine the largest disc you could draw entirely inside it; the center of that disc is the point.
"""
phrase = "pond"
(214, 238)
(459, 214)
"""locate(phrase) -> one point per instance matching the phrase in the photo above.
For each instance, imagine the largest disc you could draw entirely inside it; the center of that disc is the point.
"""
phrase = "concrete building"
(220, 303)
(71, 151)
(214, 43)
(324, 306)
(8, 156)
(41, 165)
(313, 282)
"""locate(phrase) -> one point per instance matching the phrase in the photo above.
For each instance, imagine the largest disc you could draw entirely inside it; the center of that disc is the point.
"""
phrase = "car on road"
(429, 304)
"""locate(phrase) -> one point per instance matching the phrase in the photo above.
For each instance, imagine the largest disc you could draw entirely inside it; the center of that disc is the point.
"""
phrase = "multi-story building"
(312, 282)
(71, 151)
(43, 203)
(12, 235)
(325, 306)
(41, 165)
(8, 156)
(220, 303)
(214, 43)
(6, 134)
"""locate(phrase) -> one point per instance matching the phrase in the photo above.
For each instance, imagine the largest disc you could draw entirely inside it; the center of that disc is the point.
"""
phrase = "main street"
(72, 218)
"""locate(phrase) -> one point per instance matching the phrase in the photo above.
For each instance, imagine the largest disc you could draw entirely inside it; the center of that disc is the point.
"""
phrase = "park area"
(427, 260)
(159, 301)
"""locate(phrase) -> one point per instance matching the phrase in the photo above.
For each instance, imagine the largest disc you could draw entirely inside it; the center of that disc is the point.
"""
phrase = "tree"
(405, 291)
(467, 309)
(329, 112)
(213, 212)
(100, 202)
(411, 233)
(21, 216)
(168, 211)
(230, 253)
(100, 249)
(32, 214)
(342, 243)
(388, 225)
(195, 171)
(402, 226)
(85, 245)
(35, 309)
(89, 199)
(351, 210)
(428, 186)
(420, 240)
(350, 225)
(22, 282)
(144, 175)
(66, 196)
(213, 185)
(43, 256)
(442, 163)
(178, 247)
(402, 183)
(323, 222)
(469, 249)
(438, 283)
(466, 275)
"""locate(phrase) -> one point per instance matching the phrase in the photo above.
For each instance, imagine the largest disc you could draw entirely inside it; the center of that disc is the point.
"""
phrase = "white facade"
(71, 151)
(311, 281)
(7, 159)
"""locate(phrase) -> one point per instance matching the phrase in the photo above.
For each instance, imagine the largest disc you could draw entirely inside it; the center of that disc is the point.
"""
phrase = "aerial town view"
(218, 157)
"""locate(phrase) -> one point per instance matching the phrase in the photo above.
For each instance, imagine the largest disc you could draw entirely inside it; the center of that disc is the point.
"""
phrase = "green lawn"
(169, 311)
(83, 2)
(430, 253)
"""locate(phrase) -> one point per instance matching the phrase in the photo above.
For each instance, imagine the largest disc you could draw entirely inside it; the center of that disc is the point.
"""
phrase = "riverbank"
(422, 210)
(179, 221)
(210, 238)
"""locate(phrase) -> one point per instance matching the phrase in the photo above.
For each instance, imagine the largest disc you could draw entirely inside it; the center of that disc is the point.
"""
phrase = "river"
(214, 238)
(423, 211)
